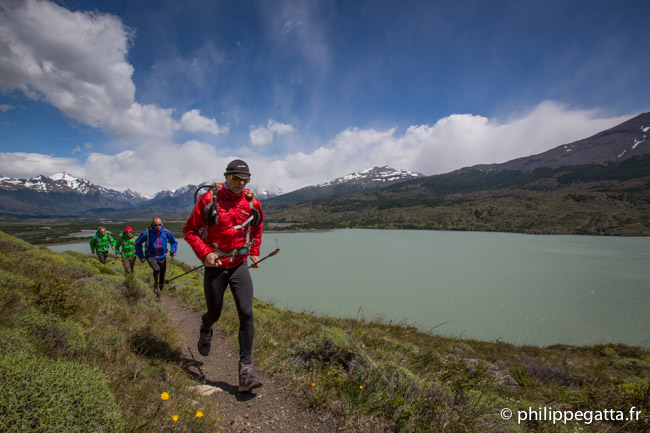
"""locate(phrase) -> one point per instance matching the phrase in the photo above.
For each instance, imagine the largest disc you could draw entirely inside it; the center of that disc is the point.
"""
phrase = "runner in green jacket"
(101, 243)
(125, 248)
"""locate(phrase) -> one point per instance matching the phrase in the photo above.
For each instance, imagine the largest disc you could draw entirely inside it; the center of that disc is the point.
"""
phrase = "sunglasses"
(157, 225)
(239, 179)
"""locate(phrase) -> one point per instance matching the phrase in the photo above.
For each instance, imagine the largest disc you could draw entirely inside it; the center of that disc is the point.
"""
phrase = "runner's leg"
(162, 264)
(215, 282)
(241, 285)
(102, 256)
(156, 268)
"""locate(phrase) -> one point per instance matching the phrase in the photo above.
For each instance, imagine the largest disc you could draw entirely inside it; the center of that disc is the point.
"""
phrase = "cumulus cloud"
(4, 108)
(453, 142)
(77, 61)
(192, 121)
(263, 135)
(74, 60)
(27, 165)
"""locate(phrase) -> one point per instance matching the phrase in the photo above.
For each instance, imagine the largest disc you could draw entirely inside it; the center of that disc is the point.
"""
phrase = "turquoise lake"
(522, 289)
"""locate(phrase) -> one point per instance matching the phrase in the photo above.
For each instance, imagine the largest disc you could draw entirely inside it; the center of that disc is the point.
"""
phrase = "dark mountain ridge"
(617, 144)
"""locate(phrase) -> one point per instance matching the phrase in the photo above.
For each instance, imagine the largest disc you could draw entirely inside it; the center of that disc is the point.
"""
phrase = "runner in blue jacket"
(157, 239)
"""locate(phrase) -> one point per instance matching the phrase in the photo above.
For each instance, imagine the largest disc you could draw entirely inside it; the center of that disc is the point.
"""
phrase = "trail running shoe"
(204, 341)
(248, 381)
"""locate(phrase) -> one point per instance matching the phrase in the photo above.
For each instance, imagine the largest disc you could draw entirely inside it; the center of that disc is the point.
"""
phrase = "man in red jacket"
(220, 224)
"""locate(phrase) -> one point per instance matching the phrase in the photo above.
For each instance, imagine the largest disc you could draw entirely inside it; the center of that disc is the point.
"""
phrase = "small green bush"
(53, 335)
(39, 394)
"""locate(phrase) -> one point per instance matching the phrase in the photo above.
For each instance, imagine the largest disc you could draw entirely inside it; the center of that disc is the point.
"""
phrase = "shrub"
(39, 394)
(52, 334)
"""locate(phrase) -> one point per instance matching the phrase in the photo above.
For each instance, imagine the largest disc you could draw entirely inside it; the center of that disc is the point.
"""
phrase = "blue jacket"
(156, 243)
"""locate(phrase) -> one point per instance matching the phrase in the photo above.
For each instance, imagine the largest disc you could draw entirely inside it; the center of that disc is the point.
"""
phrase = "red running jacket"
(223, 237)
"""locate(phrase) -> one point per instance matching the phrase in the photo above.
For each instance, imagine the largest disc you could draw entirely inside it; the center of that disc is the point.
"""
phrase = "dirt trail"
(269, 408)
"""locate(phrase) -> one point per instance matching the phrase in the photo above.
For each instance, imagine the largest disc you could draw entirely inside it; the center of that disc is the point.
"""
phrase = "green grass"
(84, 348)
(99, 335)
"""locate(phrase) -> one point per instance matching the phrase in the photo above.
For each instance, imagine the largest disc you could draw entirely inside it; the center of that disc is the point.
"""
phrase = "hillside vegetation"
(611, 199)
(83, 348)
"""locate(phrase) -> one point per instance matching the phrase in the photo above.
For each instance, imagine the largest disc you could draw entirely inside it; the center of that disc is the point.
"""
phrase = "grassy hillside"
(594, 199)
(83, 349)
(81, 344)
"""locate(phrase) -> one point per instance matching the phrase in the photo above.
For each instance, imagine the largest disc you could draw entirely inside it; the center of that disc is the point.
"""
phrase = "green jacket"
(127, 244)
(101, 243)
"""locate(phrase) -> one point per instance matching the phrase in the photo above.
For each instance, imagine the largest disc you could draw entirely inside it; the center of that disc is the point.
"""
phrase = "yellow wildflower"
(164, 396)
(199, 414)
(175, 418)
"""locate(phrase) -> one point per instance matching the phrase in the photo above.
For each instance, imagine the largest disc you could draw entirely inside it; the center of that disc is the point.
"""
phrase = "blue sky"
(159, 94)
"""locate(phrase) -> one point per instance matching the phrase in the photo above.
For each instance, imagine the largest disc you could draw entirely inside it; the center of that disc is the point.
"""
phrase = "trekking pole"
(243, 250)
(271, 254)
(181, 275)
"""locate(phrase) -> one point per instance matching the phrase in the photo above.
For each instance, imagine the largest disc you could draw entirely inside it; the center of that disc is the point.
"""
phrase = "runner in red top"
(223, 221)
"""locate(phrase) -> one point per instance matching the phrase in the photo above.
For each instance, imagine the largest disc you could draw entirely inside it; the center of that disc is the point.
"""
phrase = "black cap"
(237, 166)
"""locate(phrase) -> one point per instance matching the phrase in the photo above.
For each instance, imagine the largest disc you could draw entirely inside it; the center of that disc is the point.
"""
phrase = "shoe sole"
(249, 388)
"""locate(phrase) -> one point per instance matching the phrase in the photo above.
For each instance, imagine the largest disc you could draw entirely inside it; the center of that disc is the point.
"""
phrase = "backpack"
(211, 211)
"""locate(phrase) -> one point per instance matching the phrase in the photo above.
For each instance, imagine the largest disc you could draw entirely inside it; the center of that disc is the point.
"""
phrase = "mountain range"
(63, 195)
(599, 185)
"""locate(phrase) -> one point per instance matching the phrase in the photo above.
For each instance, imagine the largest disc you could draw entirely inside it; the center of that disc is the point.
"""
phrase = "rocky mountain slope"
(615, 145)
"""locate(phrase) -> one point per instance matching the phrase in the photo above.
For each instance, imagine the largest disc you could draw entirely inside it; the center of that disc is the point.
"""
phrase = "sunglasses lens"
(239, 179)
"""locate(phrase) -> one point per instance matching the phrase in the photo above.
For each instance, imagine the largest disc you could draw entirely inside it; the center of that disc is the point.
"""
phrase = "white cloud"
(192, 121)
(27, 165)
(456, 141)
(263, 135)
(4, 108)
(77, 149)
(77, 61)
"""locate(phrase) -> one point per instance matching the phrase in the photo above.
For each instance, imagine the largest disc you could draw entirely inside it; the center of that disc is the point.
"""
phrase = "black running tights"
(214, 284)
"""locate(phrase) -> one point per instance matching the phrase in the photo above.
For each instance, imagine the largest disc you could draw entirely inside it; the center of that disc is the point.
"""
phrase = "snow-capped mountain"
(38, 183)
(374, 177)
(82, 186)
(60, 194)
(265, 194)
(59, 182)
(377, 177)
